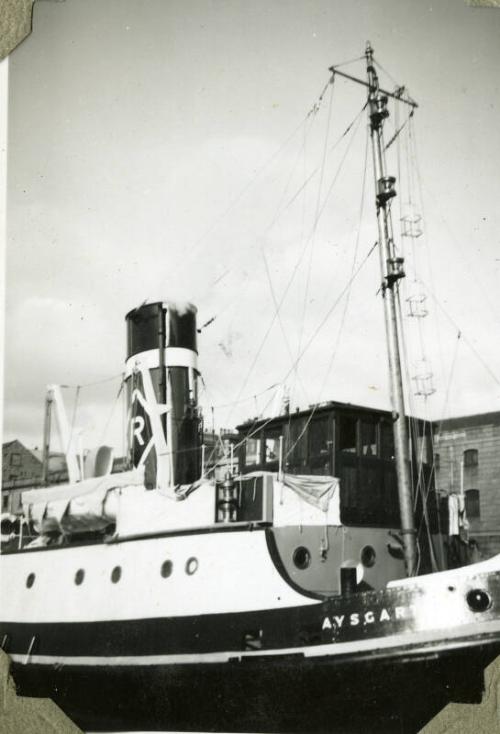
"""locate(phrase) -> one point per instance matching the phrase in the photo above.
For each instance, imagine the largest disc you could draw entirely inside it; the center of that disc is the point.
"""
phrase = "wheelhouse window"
(347, 434)
(296, 457)
(471, 458)
(386, 440)
(252, 452)
(272, 447)
(472, 507)
(319, 446)
(368, 431)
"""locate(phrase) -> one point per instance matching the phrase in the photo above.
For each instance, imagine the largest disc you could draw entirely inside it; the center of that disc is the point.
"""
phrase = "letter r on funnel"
(137, 429)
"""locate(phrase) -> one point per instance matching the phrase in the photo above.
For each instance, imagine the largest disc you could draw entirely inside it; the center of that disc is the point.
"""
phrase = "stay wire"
(466, 340)
(312, 239)
(449, 382)
(312, 111)
(254, 429)
(108, 422)
(332, 308)
(278, 315)
(332, 147)
(290, 281)
(92, 384)
(399, 130)
(345, 63)
(346, 303)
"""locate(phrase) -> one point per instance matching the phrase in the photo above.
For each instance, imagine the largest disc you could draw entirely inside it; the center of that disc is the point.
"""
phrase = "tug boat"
(306, 589)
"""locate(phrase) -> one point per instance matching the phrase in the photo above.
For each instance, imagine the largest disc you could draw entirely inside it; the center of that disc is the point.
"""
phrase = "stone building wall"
(467, 452)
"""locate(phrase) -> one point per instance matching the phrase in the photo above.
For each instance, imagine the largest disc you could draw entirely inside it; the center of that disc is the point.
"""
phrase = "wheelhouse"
(353, 443)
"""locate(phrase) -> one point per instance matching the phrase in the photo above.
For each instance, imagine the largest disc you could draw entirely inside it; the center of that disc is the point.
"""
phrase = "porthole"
(368, 556)
(191, 566)
(302, 558)
(478, 600)
(116, 574)
(30, 580)
(166, 569)
(79, 576)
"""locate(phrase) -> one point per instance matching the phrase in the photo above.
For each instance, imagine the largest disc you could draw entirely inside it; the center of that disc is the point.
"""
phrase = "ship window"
(166, 569)
(302, 558)
(116, 574)
(368, 556)
(347, 434)
(472, 506)
(471, 457)
(271, 448)
(191, 565)
(297, 450)
(386, 440)
(30, 580)
(318, 437)
(252, 454)
(368, 438)
(319, 447)
(79, 576)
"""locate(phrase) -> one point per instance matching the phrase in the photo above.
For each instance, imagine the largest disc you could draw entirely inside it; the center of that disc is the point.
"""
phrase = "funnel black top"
(148, 326)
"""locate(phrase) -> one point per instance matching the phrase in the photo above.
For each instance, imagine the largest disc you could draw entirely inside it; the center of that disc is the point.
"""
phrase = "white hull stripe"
(470, 635)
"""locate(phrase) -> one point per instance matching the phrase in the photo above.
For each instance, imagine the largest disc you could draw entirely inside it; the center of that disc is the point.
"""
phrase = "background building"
(467, 461)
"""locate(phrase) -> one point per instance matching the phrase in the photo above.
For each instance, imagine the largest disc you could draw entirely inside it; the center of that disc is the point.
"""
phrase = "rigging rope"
(344, 63)
(254, 429)
(195, 245)
(278, 314)
(92, 384)
(113, 408)
(292, 277)
(333, 307)
(346, 303)
(312, 239)
(466, 340)
(399, 130)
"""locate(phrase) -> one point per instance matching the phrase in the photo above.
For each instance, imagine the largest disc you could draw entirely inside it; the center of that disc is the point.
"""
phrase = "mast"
(46, 438)
(391, 271)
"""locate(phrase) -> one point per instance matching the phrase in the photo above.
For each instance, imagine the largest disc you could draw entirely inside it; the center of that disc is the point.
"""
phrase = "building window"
(15, 459)
(471, 457)
(472, 508)
(437, 462)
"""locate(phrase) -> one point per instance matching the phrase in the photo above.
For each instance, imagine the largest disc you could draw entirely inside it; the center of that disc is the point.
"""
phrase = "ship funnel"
(165, 430)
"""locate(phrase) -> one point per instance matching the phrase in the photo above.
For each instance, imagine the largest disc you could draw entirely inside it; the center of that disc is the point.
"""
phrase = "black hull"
(398, 693)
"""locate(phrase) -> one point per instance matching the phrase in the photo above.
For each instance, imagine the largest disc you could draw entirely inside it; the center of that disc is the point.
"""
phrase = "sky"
(180, 151)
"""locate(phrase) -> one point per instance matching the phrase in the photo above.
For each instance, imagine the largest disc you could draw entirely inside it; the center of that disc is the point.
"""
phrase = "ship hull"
(395, 691)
